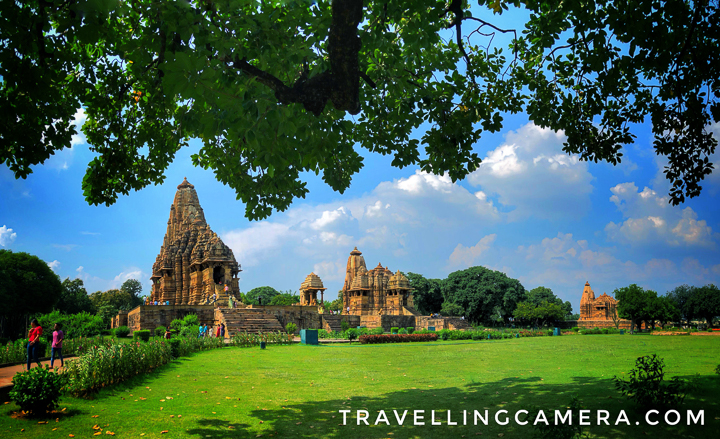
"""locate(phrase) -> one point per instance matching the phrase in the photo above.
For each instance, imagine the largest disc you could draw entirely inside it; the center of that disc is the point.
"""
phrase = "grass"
(297, 391)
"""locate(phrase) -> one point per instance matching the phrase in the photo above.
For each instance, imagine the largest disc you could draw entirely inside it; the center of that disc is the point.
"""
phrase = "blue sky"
(531, 211)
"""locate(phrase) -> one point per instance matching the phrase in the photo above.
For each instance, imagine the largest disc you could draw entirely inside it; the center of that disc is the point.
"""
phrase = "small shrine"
(309, 289)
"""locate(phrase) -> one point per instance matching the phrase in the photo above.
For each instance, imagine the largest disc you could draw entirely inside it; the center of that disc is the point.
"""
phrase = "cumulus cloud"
(79, 120)
(532, 175)
(257, 241)
(7, 236)
(469, 256)
(651, 219)
(54, 265)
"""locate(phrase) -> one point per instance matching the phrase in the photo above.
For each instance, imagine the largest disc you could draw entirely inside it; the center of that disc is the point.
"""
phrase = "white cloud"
(259, 240)
(469, 256)
(329, 217)
(54, 265)
(651, 220)
(78, 120)
(7, 236)
(66, 247)
(330, 270)
(531, 174)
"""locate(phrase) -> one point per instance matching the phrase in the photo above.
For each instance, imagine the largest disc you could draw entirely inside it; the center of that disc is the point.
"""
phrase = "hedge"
(397, 338)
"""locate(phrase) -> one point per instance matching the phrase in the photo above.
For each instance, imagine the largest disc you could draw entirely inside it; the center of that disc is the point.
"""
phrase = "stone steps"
(332, 322)
(248, 320)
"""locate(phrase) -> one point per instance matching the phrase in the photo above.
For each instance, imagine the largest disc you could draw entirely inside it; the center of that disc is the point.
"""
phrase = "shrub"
(160, 331)
(377, 331)
(36, 391)
(122, 331)
(291, 328)
(575, 328)
(397, 338)
(175, 347)
(477, 336)
(647, 386)
(245, 339)
(444, 334)
(394, 330)
(403, 331)
(191, 331)
(191, 320)
(143, 334)
(344, 325)
(717, 369)
(410, 330)
(176, 325)
(351, 334)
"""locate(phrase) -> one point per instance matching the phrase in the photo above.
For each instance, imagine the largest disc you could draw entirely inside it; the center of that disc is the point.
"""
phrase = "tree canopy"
(427, 293)
(265, 294)
(483, 293)
(538, 295)
(277, 88)
(74, 298)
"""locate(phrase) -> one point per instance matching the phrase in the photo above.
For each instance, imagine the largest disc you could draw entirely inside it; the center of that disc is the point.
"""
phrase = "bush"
(248, 340)
(143, 334)
(82, 324)
(410, 330)
(175, 347)
(191, 320)
(344, 325)
(646, 385)
(291, 328)
(122, 331)
(394, 330)
(351, 334)
(376, 331)
(397, 338)
(176, 325)
(403, 331)
(191, 331)
(37, 391)
(575, 328)
(717, 369)
(477, 336)
(160, 331)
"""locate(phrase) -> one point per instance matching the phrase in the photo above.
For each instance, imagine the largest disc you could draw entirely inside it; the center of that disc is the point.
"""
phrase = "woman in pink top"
(56, 349)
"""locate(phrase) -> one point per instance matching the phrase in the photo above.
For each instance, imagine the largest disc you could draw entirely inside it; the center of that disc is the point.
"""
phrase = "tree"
(633, 303)
(483, 293)
(335, 305)
(540, 294)
(540, 314)
(705, 303)
(285, 299)
(266, 294)
(681, 296)
(451, 309)
(427, 293)
(108, 303)
(668, 312)
(133, 288)
(27, 286)
(74, 298)
(242, 76)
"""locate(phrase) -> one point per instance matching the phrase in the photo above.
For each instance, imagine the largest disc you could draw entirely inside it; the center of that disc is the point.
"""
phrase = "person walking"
(217, 332)
(56, 348)
(222, 330)
(33, 343)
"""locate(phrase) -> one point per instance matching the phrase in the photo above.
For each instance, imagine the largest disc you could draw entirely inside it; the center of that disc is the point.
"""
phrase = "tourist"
(33, 343)
(167, 334)
(217, 332)
(259, 300)
(214, 298)
(222, 330)
(56, 348)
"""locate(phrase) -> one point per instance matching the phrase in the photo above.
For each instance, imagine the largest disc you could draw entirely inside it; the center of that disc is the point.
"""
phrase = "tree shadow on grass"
(322, 418)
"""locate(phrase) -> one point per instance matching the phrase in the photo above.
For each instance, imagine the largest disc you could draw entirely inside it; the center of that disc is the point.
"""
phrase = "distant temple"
(601, 308)
(194, 264)
(375, 292)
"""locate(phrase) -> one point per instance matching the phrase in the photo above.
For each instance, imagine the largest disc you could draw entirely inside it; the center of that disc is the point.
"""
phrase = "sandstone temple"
(194, 266)
(599, 312)
(196, 273)
(375, 292)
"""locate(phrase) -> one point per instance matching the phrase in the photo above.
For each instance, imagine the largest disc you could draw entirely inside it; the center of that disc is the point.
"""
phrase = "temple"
(601, 308)
(194, 266)
(309, 289)
(375, 292)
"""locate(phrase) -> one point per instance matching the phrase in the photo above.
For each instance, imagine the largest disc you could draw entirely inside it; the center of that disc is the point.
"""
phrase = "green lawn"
(297, 391)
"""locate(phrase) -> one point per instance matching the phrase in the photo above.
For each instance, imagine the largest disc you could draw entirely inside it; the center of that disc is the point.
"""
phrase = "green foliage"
(27, 284)
(160, 331)
(578, 69)
(575, 328)
(427, 293)
(344, 325)
(37, 390)
(647, 387)
(351, 334)
(403, 331)
(284, 299)
(394, 330)
(717, 370)
(377, 331)
(541, 314)
(538, 295)
(291, 328)
(485, 295)
(141, 334)
(705, 303)
(108, 303)
(246, 340)
(444, 334)
(82, 324)
(335, 305)
(191, 320)
(264, 293)
(176, 325)
(133, 288)
(122, 331)
(410, 330)
(74, 298)
(451, 309)
(190, 331)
